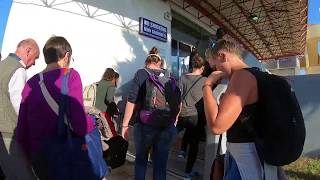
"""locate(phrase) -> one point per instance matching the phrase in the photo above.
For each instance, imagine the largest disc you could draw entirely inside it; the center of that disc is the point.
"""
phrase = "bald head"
(27, 43)
(28, 51)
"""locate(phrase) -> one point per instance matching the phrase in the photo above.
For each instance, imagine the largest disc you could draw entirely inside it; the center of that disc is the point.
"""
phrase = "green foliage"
(304, 169)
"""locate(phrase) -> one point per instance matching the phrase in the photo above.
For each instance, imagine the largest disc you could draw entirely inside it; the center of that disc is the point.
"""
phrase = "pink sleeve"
(81, 122)
(22, 125)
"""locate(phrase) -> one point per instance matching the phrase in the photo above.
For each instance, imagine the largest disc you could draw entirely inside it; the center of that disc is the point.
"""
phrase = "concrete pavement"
(175, 166)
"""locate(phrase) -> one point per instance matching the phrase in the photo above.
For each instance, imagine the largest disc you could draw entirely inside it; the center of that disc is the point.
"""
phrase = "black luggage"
(115, 155)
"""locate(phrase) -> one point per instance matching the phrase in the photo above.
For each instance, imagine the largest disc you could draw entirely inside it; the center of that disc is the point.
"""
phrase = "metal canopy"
(270, 29)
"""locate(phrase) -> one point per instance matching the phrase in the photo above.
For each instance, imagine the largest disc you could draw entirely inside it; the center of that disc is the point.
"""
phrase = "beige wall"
(313, 37)
(313, 70)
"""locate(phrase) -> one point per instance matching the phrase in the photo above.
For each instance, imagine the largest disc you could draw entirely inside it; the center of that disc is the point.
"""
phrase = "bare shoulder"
(244, 84)
(243, 77)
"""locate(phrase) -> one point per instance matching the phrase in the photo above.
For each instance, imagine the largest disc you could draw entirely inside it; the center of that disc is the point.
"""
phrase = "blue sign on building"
(152, 29)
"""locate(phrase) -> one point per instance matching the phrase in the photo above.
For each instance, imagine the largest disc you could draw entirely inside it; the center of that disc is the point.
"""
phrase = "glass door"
(180, 57)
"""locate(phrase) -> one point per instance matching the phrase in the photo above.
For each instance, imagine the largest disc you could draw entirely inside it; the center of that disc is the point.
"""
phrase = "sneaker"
(189, 176)
(181, 154)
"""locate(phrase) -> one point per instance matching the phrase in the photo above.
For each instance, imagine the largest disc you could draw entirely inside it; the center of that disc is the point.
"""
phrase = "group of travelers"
(154, 96)
(31, 112)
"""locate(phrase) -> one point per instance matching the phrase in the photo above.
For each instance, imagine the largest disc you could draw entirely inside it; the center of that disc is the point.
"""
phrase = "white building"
(106, 33)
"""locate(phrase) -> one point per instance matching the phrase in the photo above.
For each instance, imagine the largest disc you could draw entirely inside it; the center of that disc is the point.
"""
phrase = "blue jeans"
(231, 168)
(160, 140)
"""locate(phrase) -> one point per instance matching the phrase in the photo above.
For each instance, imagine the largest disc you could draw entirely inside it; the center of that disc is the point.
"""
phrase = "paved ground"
(175, 167)
(174, 171)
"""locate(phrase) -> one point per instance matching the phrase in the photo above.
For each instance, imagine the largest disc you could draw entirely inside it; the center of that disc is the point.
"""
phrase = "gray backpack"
(162, 101)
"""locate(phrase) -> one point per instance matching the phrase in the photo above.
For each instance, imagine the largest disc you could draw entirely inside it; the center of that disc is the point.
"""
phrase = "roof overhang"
(269, 29)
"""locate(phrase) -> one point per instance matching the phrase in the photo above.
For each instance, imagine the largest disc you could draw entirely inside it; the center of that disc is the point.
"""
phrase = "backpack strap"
(51, 102)
(147, 71)
(185, 95)
(155, 81)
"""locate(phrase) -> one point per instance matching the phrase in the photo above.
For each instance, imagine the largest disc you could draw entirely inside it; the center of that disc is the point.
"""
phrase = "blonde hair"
(153, 56)
(224, 45)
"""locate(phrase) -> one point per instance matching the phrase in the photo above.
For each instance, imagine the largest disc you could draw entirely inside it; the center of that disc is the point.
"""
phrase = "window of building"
(180, 53)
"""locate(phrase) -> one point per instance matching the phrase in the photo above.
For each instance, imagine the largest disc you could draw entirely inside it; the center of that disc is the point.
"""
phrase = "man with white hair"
(12, 80)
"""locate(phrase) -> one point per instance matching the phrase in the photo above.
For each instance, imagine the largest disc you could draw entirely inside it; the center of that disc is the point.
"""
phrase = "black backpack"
(280, 130)
(115, 155)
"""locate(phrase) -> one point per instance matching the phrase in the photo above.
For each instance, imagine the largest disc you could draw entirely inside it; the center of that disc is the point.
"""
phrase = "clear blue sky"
(314, 15)
(314, 12)
(5, 6)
